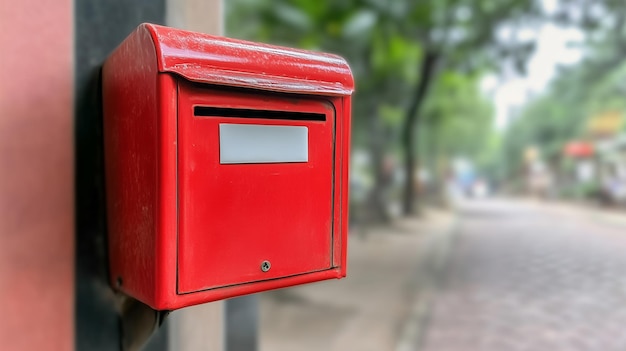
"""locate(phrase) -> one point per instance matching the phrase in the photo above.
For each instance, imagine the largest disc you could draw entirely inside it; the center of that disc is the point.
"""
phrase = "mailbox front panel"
(256, 187)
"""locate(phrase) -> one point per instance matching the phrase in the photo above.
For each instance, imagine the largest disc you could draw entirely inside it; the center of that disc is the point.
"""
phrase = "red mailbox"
(226, 166)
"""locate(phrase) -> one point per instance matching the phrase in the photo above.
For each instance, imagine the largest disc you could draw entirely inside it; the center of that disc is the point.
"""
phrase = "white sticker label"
(252, 143)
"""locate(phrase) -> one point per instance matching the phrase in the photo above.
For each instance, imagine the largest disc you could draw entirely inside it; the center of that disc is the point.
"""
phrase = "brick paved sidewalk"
(367, 310)
(531, 276)
(611, 216)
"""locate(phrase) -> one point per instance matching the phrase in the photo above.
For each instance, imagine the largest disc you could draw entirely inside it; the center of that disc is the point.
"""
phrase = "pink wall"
(36, 175)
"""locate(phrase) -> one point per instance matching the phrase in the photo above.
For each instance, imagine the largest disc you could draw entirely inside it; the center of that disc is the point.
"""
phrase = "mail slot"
(226, 166)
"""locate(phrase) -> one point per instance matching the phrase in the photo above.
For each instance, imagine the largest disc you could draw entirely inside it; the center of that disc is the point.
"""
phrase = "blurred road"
(529, 276)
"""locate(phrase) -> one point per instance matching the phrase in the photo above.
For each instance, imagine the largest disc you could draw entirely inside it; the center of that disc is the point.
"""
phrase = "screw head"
(265, 266)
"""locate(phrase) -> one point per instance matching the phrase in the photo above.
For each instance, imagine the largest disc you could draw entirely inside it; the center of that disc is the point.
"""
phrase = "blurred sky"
(509, 89)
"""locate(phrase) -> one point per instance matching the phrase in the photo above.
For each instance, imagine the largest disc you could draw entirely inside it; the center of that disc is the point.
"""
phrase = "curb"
(429, 279)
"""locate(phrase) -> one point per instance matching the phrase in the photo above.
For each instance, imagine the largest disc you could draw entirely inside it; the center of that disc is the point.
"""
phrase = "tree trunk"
(376, 203)
(427, 70)
(377, 200)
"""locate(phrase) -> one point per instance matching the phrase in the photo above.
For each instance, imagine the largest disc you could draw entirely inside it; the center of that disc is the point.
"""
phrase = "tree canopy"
(592, 87)
(417, 65)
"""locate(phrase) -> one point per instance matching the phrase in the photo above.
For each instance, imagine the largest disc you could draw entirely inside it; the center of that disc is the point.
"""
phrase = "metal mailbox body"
(226, 166)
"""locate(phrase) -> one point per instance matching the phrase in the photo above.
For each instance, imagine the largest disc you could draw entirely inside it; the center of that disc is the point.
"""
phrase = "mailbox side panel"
(341, 176)
(167, 210)
(346, 124)
(130, 135)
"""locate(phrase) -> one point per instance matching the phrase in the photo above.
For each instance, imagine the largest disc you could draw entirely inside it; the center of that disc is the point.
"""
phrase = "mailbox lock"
(265, 266)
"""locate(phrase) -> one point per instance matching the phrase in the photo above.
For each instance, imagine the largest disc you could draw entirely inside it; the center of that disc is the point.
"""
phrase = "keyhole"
(265, 266)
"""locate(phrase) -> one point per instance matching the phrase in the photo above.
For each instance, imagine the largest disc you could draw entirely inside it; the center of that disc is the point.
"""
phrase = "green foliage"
(386, 43)
(562, 113)
(383, 59)
(580, 191)
(458, 116)
(594, 86)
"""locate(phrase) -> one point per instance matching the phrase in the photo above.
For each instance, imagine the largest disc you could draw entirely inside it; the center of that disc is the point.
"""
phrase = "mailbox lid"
(236, 213)
(224, 61)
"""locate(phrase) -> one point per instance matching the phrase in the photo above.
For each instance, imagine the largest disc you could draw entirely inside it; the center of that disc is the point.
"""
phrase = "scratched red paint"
(223, 61)
(180, 233)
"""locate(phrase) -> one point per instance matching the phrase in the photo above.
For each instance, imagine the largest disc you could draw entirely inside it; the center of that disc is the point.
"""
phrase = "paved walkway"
(528, 276)
(367, 310)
